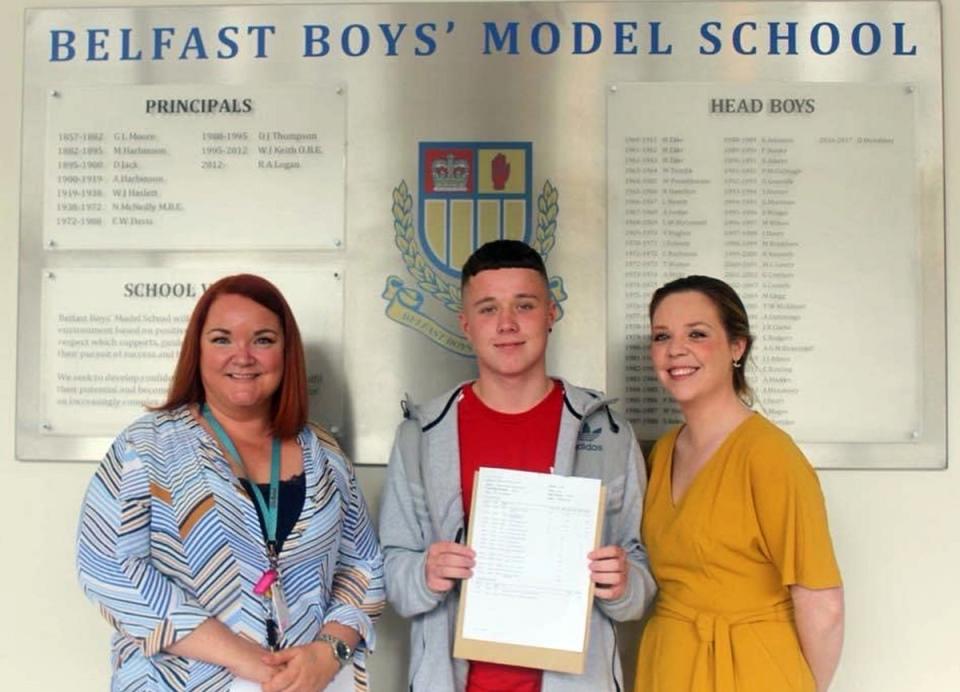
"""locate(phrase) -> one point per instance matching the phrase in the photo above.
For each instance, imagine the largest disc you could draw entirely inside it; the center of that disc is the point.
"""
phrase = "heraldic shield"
(472, 193)
(469, 194)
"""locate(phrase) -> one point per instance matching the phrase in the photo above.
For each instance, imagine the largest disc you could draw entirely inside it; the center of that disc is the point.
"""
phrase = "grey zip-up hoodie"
(422, 504)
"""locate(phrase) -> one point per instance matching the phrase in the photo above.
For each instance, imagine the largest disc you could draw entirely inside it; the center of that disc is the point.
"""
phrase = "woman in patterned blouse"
(208, 583)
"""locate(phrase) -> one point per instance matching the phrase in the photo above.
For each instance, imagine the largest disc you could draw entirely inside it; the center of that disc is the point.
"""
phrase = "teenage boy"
(512, 416)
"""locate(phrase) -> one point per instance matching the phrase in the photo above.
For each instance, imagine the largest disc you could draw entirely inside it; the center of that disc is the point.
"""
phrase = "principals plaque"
(169, 167)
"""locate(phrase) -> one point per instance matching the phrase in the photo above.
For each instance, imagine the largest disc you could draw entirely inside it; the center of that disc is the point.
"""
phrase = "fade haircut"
(503, 254)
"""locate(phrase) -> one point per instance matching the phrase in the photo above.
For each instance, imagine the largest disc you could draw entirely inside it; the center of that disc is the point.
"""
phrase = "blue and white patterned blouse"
(169, 538)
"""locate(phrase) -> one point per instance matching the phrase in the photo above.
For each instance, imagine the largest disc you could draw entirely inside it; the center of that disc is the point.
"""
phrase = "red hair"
(289, 405)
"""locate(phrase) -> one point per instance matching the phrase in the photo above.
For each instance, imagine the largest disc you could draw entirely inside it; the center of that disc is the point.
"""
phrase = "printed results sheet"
(531, 584)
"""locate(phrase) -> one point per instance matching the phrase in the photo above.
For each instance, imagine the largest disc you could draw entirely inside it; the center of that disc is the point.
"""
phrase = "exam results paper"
(531, 533)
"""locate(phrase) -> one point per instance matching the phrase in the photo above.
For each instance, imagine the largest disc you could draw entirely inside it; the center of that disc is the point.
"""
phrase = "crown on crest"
(450, 174)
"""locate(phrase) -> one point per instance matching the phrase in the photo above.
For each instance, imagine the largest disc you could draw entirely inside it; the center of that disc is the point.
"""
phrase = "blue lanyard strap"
(268, 510)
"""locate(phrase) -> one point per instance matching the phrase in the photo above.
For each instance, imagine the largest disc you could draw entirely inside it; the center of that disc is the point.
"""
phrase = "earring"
(737, 363)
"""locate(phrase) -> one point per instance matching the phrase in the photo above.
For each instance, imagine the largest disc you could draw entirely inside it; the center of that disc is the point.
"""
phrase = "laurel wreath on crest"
(418, 266)
(406, 240)
(547, 210)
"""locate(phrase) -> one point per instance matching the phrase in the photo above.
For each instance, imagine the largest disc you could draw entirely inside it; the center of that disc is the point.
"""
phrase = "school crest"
(469, 193)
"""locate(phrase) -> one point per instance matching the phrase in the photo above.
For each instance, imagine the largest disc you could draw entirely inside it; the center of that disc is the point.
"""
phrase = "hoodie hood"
(580, 402)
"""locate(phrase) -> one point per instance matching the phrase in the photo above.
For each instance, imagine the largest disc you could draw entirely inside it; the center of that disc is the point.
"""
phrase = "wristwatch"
(341, 650)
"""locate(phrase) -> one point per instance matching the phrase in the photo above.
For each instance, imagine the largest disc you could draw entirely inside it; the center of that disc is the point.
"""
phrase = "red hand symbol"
(500, 171)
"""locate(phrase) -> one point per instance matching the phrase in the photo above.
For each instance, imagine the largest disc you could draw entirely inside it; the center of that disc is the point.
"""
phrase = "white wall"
(897, 534)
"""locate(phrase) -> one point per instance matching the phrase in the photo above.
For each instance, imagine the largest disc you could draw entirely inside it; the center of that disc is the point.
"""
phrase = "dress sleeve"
(792, 514)
(357, 597)
(114, 562)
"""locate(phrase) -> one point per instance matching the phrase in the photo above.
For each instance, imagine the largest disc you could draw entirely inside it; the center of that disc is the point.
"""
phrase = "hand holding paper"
(608, 569)
(447, 562)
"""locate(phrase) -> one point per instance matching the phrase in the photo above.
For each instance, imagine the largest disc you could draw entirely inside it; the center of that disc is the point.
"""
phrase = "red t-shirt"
(523, 441)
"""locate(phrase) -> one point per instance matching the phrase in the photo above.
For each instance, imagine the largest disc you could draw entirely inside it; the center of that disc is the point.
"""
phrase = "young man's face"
(507, 314)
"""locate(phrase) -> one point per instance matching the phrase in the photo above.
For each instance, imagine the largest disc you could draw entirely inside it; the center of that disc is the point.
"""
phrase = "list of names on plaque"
(171, 167)
(805, 203)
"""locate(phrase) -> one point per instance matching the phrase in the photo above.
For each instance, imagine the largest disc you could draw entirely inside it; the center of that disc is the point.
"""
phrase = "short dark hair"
(502, 254)
(289, 405)
(733, 316)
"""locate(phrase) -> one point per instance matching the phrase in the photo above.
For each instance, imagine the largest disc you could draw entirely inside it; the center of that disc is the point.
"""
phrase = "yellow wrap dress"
(751, 523)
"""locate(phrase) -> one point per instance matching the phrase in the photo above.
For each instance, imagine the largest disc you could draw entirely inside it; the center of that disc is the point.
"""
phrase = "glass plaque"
(171, 167)
(803, 197)
(110, 340)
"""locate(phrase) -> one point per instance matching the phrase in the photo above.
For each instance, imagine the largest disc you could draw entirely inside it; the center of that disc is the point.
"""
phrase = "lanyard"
(268, 510)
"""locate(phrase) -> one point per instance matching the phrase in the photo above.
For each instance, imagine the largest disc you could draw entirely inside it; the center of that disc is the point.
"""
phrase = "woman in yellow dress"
(734, 520)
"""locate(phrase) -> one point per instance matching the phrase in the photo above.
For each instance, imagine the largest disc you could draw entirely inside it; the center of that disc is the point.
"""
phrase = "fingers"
(278, 658)
(609, 585)
(446, 563)
(608, 578)
(609, 558)
(281, 681)
(607, 551)
(611, 594)
(449, 560)
(450, 548)
(608, 570)
(306, 670)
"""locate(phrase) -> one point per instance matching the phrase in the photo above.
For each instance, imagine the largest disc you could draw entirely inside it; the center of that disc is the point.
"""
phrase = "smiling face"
(691, 351)
(241, 356)
(507, 314)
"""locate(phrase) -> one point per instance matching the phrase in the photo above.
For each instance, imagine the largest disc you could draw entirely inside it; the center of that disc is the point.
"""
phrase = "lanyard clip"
(266, 580)
(272, 556)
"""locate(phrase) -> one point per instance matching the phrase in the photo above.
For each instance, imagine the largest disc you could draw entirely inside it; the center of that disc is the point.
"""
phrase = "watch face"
(343, 651)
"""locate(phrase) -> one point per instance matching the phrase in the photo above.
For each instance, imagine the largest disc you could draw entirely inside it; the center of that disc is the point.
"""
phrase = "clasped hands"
(448, 562)
(304, 668)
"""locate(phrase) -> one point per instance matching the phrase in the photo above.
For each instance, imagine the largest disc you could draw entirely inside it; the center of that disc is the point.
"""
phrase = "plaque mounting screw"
(336, 275)
(909, 89)
(613, 88)
(46, 427)
(334, 430)
(915, 435)
(50, 275)
(339, 91)
(338, 243)
(51, 243)
(54, 93)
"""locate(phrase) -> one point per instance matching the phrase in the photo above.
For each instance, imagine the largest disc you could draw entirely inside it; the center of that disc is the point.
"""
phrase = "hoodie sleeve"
(404, 521)
(624, 524)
